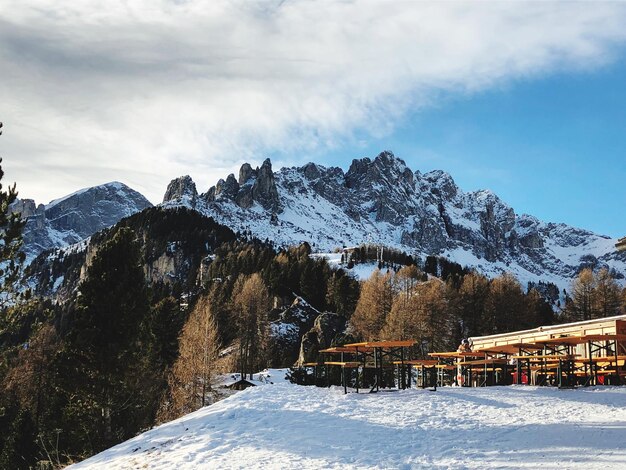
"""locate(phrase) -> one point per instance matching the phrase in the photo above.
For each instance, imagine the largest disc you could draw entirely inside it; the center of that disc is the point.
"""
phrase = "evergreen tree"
(166, 322)
(471, 300)
(540, 311)
(505, 306)
(102, 366)
(11, 258)
(342, 293)
(20, 449)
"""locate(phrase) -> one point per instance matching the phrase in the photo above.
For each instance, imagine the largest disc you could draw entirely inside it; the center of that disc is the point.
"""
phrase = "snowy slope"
(382, 201)
(288, 426)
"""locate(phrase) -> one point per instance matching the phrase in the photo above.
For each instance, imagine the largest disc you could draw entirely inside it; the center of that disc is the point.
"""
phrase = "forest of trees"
(124, 353)
(594, 295)
(439, 313)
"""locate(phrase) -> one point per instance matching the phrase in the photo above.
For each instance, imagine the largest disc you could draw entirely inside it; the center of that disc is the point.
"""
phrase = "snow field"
(288, 426)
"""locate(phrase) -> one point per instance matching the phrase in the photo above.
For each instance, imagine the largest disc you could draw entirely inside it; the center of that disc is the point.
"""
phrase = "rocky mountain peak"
(246, 173)
(79, 215)
(181, 190)
(386, 168)
(441, 184)
(227, 189)
(264, 189)
(311, 171)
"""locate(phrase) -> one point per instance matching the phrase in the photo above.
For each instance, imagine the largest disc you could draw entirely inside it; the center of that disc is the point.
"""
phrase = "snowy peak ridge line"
(79, 215)
(382, 201)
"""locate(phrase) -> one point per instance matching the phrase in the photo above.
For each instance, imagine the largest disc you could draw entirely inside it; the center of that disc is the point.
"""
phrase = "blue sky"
(553, 147)
(523, 98)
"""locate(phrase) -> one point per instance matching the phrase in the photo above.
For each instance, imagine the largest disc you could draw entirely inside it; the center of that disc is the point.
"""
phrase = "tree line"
(438, 313)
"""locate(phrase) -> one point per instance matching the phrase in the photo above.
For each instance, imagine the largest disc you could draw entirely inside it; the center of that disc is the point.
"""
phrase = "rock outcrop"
(181, 191)
(288, 329)
(253, 186)
(328, 330)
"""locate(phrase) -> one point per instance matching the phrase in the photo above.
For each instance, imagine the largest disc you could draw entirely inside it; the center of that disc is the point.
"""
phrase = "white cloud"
(143, 91)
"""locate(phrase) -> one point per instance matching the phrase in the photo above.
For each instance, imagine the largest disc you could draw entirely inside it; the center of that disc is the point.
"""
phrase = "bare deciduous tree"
(251, 305)
(373, 306)
(190, 381)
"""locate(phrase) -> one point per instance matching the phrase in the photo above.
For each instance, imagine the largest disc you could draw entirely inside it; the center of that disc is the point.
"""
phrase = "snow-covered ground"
(360, 271)
(288, 426)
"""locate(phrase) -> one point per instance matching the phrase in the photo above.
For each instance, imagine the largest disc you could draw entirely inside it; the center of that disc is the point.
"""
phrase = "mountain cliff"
(382, 201)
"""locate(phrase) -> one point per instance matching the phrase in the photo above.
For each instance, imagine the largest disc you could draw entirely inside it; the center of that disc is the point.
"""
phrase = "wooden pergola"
(369, 355)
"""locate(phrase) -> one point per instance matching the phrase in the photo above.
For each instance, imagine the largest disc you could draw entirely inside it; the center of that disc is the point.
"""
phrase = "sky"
(525, 99)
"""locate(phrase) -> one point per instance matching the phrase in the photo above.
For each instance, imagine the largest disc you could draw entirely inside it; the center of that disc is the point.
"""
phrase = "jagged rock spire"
(181, 190)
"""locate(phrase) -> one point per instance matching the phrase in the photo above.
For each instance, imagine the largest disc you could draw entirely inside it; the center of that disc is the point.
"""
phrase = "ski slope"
(285, 426)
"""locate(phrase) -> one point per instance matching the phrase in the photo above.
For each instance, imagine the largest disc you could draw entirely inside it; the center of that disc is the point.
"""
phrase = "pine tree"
(342, 293)
(102, 366)
(20, 447)
(166, 322)
(11, 258)
(505, 305)
(539, 310)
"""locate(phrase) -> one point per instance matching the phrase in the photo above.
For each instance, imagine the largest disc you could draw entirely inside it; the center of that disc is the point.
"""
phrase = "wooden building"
(601, 326)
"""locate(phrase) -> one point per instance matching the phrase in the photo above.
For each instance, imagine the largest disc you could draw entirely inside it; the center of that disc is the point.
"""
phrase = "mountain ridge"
(376, 201)
(382, 201)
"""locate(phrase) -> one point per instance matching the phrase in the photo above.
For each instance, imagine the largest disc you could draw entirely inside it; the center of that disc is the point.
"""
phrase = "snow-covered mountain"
(77, 216)
(382, 201)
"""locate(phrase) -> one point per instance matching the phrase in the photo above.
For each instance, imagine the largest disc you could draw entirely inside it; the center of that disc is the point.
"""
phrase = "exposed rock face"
(253, 186)
(181, 191)
(70, 219)
(382, 201)
(245, 173)
(286, 332)
(328, 327)
(264, 189)
(226, 189)
(28, 210)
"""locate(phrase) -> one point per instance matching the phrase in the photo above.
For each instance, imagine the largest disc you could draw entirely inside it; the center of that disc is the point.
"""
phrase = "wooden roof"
(418, 362)
(547, 356)
(512, 348)
(573, 340)
(483, 362)
(345, 349)
(382, 344)
(454, 354)
(343, 364)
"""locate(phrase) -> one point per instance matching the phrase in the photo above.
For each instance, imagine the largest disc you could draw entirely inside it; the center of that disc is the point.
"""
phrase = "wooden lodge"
(591, 352)
(601, 326)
